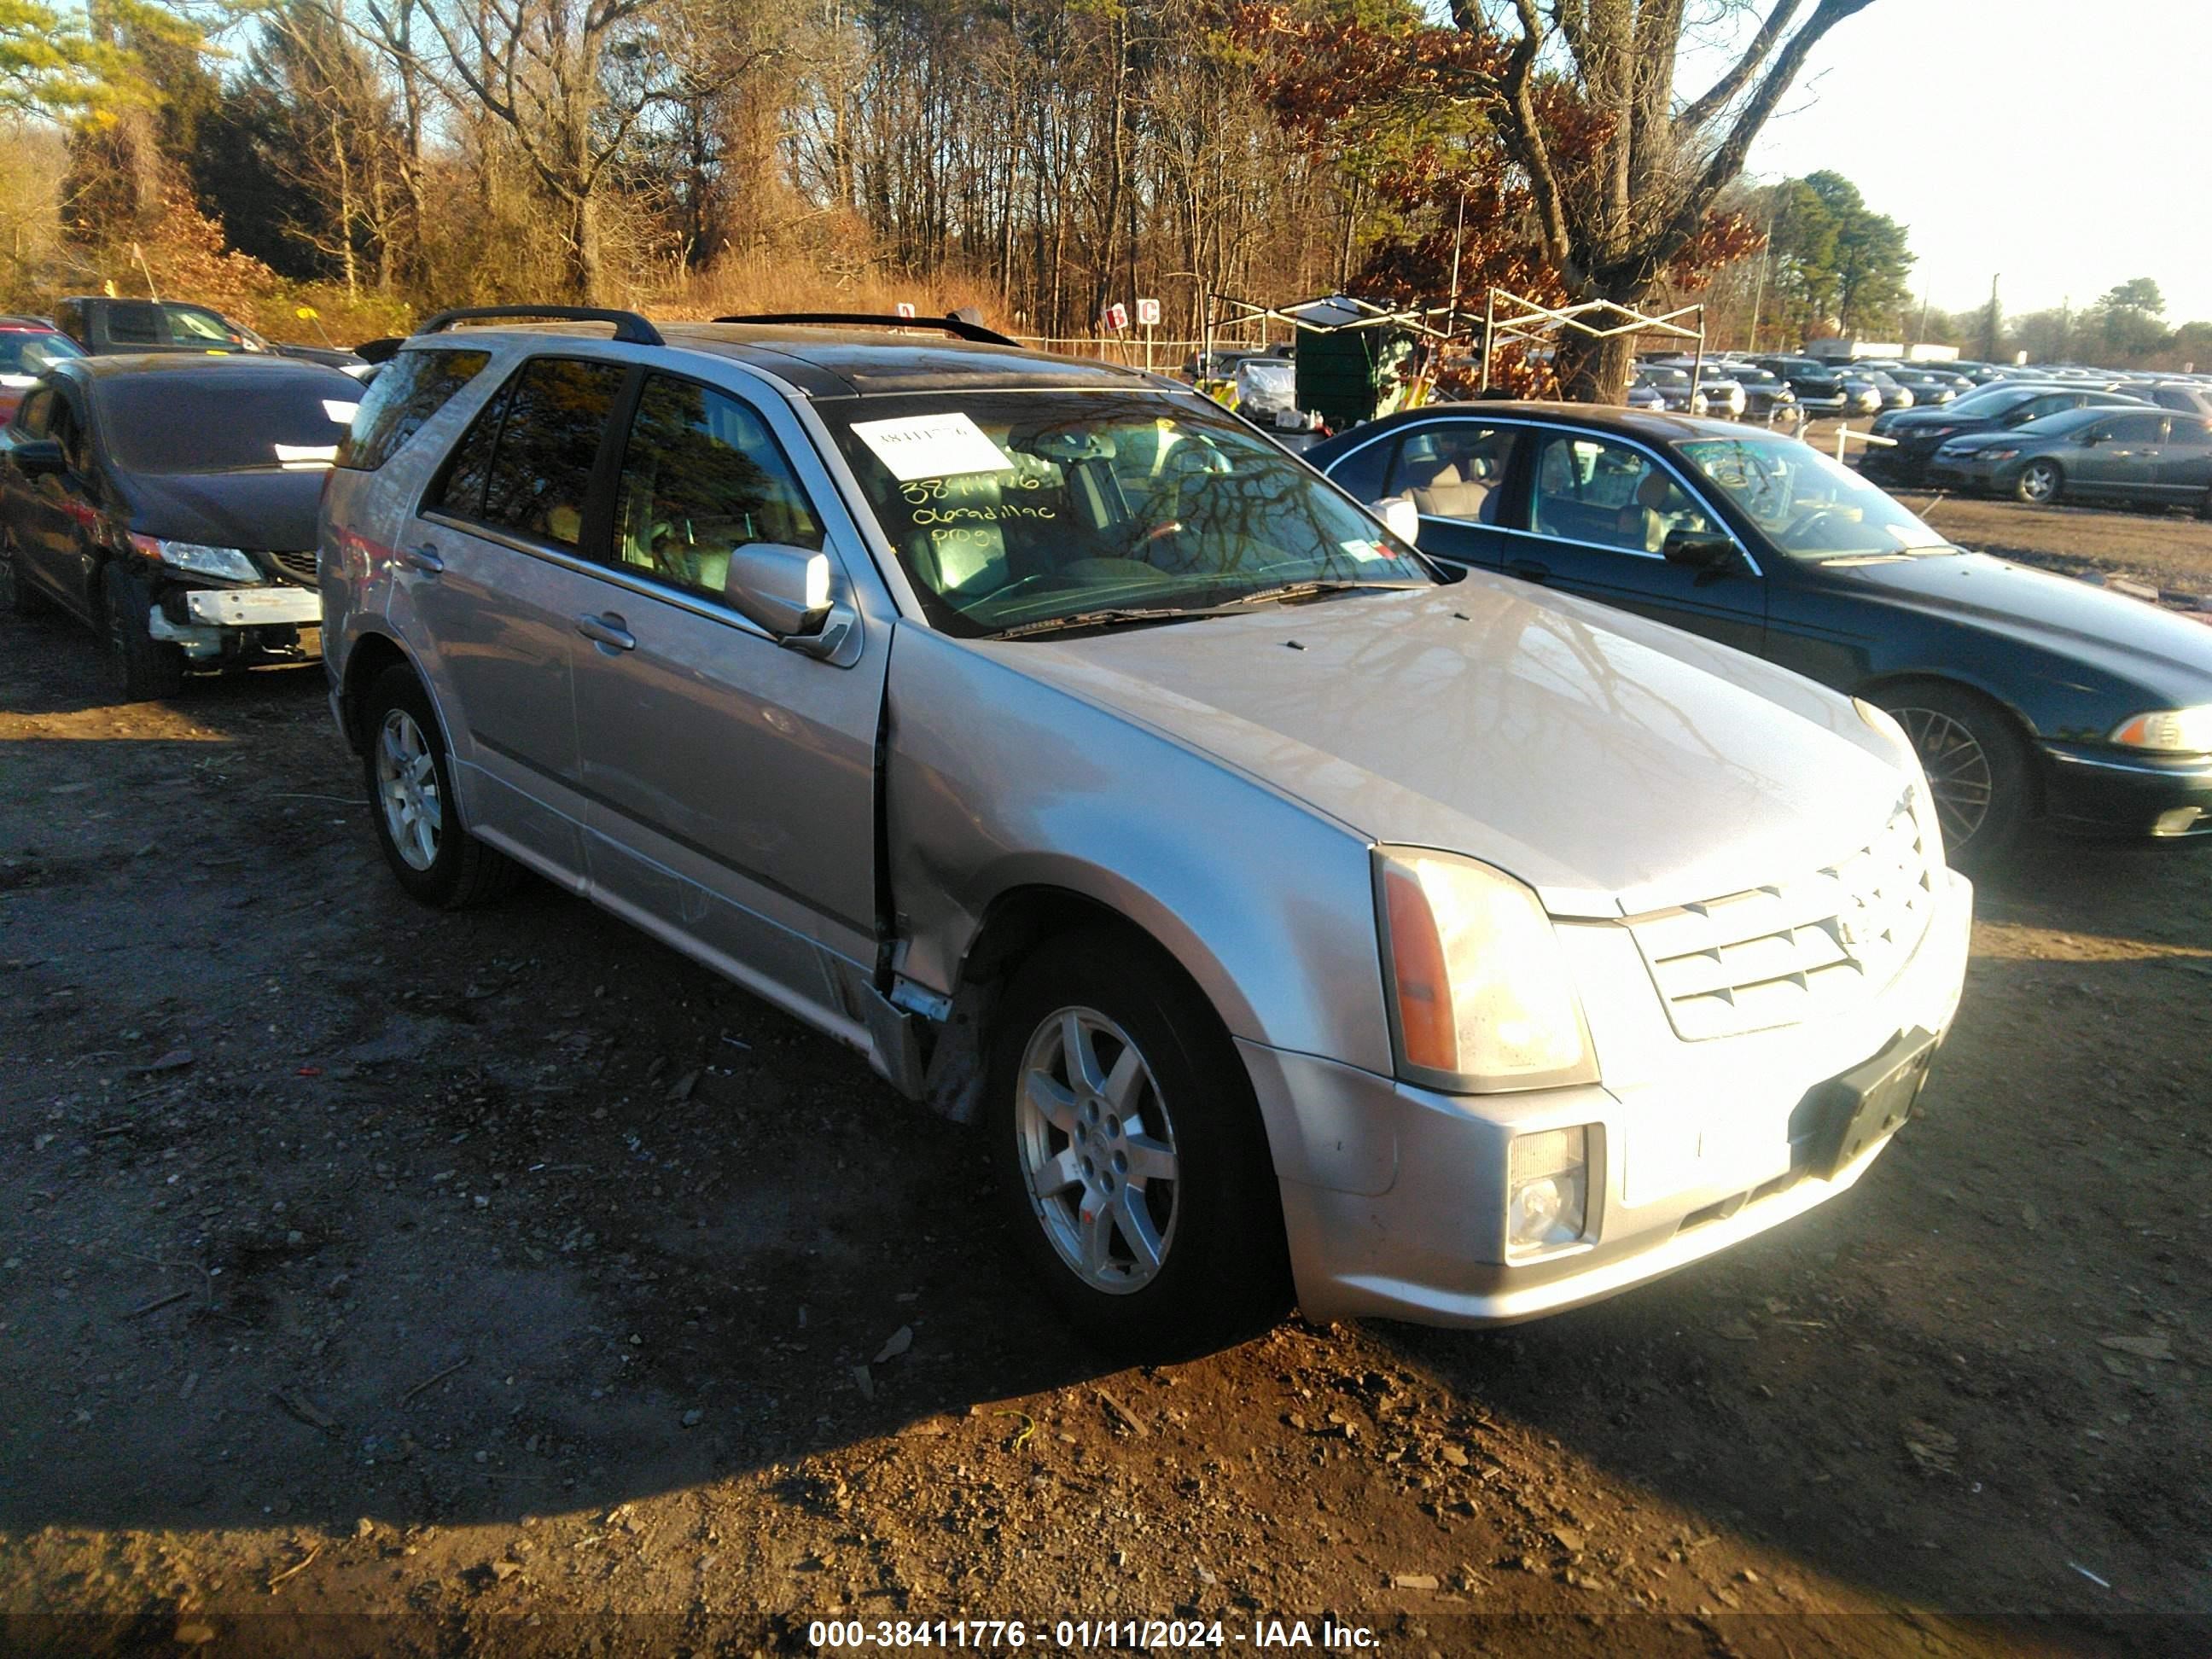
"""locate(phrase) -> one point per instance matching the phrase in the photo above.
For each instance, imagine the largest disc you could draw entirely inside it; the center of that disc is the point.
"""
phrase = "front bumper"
(1393, 1196)
(2098, 791)
(219, 623)
(1968, 472)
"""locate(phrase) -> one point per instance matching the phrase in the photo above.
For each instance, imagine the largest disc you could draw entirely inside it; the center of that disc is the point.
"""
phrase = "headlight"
(227, 563)
(1479, 996)
(2169, 731)
(1999, 454)
(1923, 801)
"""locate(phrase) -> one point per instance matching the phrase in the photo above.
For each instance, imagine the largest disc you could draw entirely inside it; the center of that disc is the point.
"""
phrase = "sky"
(2064, 146)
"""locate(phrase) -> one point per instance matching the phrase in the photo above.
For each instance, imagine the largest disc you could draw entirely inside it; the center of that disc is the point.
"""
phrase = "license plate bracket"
(1838, 1120)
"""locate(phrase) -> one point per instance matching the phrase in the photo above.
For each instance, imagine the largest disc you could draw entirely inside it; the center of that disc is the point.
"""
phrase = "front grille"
(301, 565)
(1774, 954)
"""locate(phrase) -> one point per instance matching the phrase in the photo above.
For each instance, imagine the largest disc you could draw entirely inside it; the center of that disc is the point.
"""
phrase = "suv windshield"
(225, 422)
(1013, 510)
(1809, 505)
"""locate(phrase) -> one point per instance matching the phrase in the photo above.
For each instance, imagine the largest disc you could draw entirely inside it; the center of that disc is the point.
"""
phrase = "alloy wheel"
(2039, 483)
(407, 789)
(1098, 1150)
(1958, 770)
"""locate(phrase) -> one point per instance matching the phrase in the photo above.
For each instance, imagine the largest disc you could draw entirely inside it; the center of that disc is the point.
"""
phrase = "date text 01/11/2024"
(997, 1635)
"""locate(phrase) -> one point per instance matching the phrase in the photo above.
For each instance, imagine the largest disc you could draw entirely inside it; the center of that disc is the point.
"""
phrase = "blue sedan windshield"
(1807, 505)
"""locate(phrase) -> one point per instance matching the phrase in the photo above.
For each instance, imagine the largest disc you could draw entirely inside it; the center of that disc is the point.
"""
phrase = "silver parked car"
(1291, 919)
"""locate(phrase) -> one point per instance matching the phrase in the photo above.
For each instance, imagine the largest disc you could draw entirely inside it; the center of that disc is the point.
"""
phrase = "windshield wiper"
(1126, 616)
(1288, 592)
(1114, 616)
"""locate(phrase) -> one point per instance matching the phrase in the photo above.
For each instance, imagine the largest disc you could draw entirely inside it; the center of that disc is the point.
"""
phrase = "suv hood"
(1614, 765)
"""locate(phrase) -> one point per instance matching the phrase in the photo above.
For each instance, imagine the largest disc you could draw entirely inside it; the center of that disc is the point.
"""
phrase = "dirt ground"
(374, 1281)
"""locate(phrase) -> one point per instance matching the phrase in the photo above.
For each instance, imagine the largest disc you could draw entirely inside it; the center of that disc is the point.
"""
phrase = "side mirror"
(1700, 549)
(2090, 438)
(785, 590)
(1399, 517)
(40, 457)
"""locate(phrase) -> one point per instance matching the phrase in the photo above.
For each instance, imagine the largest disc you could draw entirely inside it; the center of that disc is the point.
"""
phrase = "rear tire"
(2041, 483)
(1134, 1175)
(1978, 765)
(142, 668)
(411, 801)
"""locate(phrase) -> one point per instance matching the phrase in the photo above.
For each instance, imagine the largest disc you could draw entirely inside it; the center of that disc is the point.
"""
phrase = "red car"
(28, 347)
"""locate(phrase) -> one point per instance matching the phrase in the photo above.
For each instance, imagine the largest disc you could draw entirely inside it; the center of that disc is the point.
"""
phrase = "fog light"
(2178, 822)
(1546, 1198)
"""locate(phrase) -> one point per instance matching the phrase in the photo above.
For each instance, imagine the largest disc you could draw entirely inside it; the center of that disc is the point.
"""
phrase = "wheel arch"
(1876, 688)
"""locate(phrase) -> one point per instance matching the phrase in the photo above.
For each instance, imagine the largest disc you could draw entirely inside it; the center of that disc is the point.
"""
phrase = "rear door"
(490, 571)
(731, 779)
(2185, 464)
(1594, 519)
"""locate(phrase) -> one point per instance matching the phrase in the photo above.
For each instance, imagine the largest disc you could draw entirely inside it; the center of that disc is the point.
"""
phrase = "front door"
(2124, 461)
(1595, 522)
(490, 572)
(731, 780)
(62, 513)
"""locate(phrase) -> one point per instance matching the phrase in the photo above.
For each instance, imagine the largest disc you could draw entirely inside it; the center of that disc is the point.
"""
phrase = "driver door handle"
(1528, 570)
(423, 558)
(609, 632)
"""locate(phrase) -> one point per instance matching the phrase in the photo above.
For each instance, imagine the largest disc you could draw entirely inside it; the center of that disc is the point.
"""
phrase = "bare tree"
(1631, 188)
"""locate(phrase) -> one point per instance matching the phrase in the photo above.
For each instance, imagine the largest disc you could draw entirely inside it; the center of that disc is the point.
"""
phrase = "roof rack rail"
(629, 328)
(959, 327)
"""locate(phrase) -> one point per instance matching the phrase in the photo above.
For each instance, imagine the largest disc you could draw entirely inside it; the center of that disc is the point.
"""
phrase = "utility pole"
(1994, 323)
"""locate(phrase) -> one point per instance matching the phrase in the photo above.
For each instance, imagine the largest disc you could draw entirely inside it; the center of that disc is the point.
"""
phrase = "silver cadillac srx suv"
(1292, 919)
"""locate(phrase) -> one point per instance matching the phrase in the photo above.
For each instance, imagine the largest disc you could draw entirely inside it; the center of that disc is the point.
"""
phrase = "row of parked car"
(1462, 878)
(1760, 388)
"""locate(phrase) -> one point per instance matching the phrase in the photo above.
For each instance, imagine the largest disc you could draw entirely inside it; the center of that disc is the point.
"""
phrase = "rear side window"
(411, 388)
(138, 324)
(1360, 474)
(539, 480)
(2193, 431)
(2133, 429)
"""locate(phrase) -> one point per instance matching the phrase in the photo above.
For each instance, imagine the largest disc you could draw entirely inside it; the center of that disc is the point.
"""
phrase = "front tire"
(1977, 768)
(17, 597)
(1132, 1167)
(142, 668)
(411, 801)
(2041, 483)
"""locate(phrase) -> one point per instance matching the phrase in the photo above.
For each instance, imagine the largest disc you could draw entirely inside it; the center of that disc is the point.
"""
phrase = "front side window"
(701, 476)
(541, 472)
(1455, 470)
(191, 327)
(33, 413)
(1807, 505)
(1011, 510)
(1589, 490)
(411, 388)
